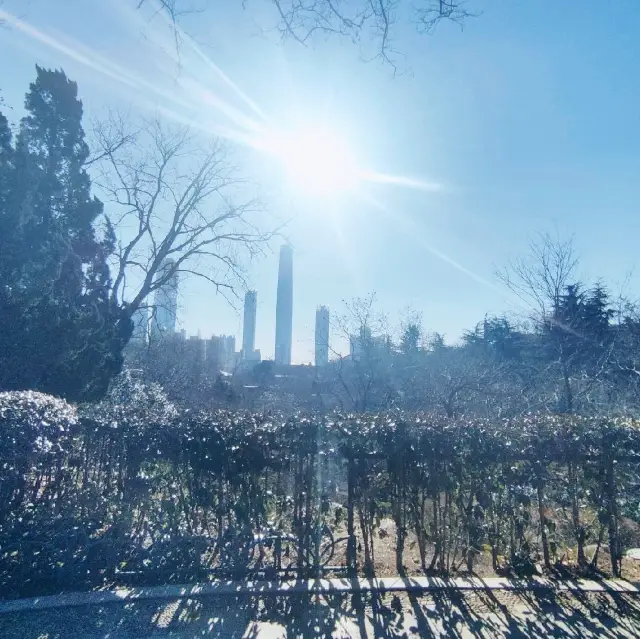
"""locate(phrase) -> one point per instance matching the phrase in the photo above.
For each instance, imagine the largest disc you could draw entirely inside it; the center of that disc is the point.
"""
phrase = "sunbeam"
(203, 96)
(398, 180)
(184, 40)
(414, 232)
(316, 161)
(347, 252)
(223, 76)
(138, 85)
(120, 75)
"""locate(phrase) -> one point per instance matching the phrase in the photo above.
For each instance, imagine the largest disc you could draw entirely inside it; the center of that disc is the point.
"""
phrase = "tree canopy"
(59, 331)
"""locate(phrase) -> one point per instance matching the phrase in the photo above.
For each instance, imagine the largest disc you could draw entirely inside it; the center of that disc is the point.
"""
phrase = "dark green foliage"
(6, 162)
(597, 313)
(134, 485)
(410, 339)
(7, 175)
(59, 331)
(576, 342)
(497, 338)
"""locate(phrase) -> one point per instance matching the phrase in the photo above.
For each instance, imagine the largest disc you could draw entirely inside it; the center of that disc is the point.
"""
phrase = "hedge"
(90, 495)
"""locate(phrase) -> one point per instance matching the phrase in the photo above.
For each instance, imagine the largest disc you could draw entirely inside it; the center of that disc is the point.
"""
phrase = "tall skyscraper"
(140, 321)
(249, 325)
(166, 300)
(322, 336)
(284, 306)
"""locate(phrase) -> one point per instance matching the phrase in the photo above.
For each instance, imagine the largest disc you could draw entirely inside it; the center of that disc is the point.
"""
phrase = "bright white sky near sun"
(528, 120)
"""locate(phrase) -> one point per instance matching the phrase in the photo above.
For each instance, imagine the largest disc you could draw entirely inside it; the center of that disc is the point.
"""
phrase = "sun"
(316, 161)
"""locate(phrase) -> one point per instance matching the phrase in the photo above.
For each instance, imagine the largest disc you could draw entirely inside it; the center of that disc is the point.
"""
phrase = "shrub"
(35, 432)
(132, 484)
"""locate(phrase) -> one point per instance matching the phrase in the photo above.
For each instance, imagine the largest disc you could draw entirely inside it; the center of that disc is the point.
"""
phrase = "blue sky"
(529, 120)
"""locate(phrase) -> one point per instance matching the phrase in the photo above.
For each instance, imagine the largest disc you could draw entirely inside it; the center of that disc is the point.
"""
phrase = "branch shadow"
(397, 615)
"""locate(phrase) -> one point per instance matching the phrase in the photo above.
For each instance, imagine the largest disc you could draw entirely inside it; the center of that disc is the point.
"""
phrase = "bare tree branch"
(540, 278)
(354, 19)
(174, 202)
(431, 14)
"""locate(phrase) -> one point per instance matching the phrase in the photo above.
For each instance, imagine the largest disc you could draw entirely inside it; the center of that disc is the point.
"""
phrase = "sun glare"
(316, 161)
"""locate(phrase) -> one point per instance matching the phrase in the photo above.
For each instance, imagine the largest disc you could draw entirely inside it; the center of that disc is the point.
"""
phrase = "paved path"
(417, 607)
(326, 587)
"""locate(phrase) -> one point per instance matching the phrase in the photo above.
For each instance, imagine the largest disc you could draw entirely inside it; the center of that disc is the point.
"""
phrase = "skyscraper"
(221, 353)
(322, 336)
(249, 325)
(140, 321)
(284, 306)
(166, 300)
(195, 355)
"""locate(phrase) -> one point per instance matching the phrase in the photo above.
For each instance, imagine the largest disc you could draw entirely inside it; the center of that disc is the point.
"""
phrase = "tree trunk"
(436, 521)
(367, 538)
(612, 516)
(575, 515)
(401, 532)
(568, 391)
(351, 542)
(420, 531)
(543, 519)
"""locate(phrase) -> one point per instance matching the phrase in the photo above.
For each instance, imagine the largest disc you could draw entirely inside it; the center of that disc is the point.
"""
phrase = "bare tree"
(361, 378)
(300, 19)
(454, 379)
(176, 208)
(619, 374)
(547, 281)
(541, 277)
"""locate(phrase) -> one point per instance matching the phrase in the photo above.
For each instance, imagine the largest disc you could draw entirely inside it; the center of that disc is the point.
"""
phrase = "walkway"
(340, 608)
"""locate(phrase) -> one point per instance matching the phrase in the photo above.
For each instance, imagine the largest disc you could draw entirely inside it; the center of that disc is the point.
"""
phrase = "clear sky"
(527, 120)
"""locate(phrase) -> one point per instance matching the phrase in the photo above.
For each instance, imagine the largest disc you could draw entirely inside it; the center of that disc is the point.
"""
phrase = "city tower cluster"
(158, 322)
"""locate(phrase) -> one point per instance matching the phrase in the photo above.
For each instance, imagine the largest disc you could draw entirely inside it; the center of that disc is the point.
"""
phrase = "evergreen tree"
(436, 343)
(59, 331)
(562, 342)
(494, 336)
(6, 161)
(568, 325)
(597, 315)
(581, 323)
(410, 339)
(6, 179)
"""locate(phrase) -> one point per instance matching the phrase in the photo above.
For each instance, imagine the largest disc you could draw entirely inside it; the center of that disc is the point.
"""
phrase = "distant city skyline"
(222, 347)
(527, 127)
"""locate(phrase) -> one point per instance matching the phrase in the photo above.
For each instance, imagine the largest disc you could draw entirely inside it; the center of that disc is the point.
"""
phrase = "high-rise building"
(166, 300)
(195, 354)
(249, 325)
(230, 355)
(322, 336)
(284, 306)
(365, 344)
(221, 353)
(140, 321)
